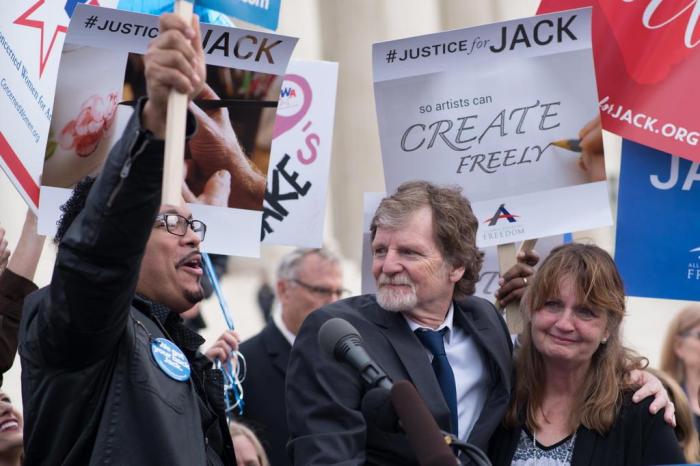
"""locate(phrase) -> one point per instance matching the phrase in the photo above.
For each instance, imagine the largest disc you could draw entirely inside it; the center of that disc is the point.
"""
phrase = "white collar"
(447, 323)
(277, 319)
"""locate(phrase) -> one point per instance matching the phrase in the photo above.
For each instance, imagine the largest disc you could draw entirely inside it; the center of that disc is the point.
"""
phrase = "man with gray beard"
(423, 325)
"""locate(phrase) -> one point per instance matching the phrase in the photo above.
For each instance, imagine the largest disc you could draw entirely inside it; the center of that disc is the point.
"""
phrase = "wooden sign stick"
(175, 129)
(507, 258)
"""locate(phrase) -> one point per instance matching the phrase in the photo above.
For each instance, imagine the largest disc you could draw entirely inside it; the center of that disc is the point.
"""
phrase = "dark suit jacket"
(324, 396)
(266, 356)
(637, 438)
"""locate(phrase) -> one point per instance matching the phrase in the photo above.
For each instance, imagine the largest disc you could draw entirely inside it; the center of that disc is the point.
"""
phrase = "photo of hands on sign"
(226, 158)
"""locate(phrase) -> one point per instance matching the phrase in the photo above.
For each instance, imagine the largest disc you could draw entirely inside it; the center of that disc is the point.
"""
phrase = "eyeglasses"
(177, 225)
(321, 290)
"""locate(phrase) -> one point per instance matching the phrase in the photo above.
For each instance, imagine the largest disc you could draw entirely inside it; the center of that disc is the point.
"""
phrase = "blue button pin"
(170, 359)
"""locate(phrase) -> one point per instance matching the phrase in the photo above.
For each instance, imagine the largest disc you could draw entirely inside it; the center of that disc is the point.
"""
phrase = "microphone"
(394, 407)
(341, 341)
(377, 410)
(422, 431)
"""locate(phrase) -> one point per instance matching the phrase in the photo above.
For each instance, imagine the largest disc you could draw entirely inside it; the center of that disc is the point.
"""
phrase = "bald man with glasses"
(306, 280)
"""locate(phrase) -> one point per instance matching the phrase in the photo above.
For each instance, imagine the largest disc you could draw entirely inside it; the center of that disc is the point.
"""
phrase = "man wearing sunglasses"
(306, 280)
(110, 373)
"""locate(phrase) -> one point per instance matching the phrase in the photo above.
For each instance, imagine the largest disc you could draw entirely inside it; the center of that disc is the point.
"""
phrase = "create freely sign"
(31, 35)
(658, 227)
(487, 285)
(647, 61)
(294, 209)
(244, 70)
(487, 108)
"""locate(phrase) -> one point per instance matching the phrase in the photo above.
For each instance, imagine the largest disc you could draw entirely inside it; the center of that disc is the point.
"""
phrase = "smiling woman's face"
(10, 426)
(566, 330)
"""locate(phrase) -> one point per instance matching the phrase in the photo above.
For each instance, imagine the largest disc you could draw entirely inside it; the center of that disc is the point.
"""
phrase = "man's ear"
(281, 288)
(456, 274)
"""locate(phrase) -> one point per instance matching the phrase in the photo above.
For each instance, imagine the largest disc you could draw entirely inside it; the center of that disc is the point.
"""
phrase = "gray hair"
(289, 265)
(454, 225)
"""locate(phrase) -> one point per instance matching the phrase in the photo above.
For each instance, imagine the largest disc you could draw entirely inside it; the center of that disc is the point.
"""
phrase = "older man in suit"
(306, 280)
(423, 325)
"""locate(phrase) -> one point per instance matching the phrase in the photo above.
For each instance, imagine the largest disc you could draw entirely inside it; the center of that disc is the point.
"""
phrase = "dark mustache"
(189, 257)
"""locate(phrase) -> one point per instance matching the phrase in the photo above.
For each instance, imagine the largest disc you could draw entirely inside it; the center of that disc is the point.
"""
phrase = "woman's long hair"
(598, 285)
(685, 428)
(237, 428)
(684, 321)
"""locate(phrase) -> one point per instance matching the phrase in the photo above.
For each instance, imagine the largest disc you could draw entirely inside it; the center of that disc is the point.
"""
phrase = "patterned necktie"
(434, 342)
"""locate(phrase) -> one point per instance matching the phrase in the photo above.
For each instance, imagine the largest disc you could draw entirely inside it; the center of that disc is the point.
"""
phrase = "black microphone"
(341, 341)
(378, 411)
(422, 431)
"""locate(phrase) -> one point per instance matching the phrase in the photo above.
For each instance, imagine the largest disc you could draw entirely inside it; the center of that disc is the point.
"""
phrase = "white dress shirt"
(468, 368)
(277, 319)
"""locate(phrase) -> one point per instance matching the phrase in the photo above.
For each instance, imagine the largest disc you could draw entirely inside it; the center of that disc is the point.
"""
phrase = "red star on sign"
(54, 19)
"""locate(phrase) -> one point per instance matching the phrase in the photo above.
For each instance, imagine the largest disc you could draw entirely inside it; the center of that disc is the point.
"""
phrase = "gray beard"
(396, 302)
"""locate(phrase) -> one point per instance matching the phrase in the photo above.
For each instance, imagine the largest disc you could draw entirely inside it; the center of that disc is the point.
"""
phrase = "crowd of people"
(111, 375)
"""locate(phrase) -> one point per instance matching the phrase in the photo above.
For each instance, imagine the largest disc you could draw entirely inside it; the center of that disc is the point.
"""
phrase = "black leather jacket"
(92, 392)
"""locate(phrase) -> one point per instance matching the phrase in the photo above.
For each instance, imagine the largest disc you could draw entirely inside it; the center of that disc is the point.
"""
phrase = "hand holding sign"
(174, 61)
(513, 283)
(176, 68)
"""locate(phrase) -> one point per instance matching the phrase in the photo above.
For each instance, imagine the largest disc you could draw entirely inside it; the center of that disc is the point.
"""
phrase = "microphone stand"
(466, 450)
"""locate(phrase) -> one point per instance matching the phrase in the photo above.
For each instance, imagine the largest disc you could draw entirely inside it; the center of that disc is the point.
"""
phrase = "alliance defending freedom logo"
(501, 213)
(694, 265)
(496, 229)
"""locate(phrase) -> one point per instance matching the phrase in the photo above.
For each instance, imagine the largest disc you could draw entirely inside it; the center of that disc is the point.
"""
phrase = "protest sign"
(486, 108)
(487, 285)
(264, 13)
(658, 228)
(31, 35)
(294, 209)
(244, 71)
(647, 61)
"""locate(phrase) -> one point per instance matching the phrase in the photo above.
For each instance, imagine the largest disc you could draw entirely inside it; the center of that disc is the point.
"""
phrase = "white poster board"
(31, 38)
(481, 107)
(244, 71)
(294, 210)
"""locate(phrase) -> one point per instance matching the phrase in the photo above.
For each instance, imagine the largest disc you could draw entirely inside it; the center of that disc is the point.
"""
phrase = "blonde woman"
(249, 451)
(680, 355)
(572, 401)
(685, 430)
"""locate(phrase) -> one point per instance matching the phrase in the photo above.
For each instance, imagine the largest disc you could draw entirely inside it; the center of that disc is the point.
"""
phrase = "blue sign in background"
(658, 224)
(264, 13)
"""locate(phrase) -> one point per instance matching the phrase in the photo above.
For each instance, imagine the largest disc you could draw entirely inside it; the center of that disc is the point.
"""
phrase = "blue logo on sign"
(170, 359)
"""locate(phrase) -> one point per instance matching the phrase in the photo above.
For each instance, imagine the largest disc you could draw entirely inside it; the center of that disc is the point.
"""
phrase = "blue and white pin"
(170, 359)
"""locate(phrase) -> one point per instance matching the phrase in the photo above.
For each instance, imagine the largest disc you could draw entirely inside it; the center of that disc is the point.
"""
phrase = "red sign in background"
(647, 59)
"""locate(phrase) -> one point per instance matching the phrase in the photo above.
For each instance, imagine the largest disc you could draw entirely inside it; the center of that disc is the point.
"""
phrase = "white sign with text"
(31, 38)
(91, 109)
(482, 108)
(297, 179)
